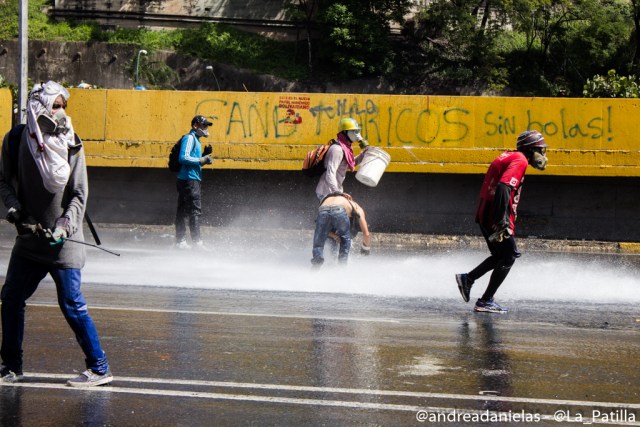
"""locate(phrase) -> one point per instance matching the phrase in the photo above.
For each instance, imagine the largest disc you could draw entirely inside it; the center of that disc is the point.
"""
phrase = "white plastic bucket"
(372, 167)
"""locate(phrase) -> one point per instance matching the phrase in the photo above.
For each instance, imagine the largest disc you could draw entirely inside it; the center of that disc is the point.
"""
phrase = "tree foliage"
(612, 86)
(454, 42)
(348, 38)
(521, 47)
(355, 36)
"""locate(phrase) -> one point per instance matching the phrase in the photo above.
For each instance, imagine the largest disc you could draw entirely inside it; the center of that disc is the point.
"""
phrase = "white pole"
(23, 72)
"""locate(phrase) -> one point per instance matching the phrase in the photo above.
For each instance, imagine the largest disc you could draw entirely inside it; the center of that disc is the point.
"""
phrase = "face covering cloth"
(49, 146)
(348, 151)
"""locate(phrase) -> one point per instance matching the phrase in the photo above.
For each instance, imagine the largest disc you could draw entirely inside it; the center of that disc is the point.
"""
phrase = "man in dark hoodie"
(43, 184)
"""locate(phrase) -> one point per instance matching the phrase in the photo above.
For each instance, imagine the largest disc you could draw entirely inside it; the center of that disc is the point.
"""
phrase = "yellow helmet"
(348, 124)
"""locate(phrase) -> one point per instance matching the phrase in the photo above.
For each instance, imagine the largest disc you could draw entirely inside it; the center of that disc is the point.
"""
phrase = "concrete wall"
(112, 66)
(106, 65)
(6, 113)
(424, 134)
(440, 148)
(558, 207)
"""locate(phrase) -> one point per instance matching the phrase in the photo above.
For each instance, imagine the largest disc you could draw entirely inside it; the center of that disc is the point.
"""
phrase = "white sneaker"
(90, 379)
(201, 246)
(8, 376)
(183, 245)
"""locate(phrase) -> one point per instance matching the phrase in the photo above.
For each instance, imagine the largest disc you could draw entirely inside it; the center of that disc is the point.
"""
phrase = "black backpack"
(174, 157)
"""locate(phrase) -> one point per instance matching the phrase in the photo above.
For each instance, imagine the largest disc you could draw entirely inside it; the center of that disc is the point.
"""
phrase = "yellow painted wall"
(592, 137)
(5, 111)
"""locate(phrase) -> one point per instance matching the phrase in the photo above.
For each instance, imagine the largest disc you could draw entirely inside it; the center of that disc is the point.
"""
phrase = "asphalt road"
(247, 335)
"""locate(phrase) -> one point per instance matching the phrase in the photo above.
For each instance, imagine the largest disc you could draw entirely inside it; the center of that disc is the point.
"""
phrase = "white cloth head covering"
(50, 151)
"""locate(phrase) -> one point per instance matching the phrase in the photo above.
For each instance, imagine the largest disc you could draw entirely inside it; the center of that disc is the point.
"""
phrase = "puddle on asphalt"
(422, 366)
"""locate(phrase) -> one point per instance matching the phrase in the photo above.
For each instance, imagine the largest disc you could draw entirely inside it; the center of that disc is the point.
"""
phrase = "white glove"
(60, 230)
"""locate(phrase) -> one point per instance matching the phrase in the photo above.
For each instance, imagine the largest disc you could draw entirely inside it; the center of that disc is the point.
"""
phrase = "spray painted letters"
(405, 120)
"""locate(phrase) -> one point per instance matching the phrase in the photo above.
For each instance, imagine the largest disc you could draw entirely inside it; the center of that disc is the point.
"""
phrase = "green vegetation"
(612, 86)
(243, 50)
(215, 42)
(355, 37)
(528, 47)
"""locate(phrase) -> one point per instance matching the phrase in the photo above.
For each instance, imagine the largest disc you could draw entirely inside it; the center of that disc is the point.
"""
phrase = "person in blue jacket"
(188, 184)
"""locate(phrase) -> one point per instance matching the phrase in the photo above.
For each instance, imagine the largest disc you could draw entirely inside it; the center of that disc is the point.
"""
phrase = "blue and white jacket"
(190, 153)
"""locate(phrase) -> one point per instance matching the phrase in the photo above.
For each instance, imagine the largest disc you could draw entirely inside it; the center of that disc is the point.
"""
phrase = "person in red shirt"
(496, 216)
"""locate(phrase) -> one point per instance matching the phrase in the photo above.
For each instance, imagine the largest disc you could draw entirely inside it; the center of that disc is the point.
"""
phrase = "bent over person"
(340, 218)
(496, 216)
(47, 204)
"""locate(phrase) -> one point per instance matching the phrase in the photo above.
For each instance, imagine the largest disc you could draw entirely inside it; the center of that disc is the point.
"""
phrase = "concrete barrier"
(440, 146)
(424, 134)
(6, 113)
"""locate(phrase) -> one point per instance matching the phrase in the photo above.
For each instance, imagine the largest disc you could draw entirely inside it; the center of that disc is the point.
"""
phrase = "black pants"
(503, 255)
(189, 206)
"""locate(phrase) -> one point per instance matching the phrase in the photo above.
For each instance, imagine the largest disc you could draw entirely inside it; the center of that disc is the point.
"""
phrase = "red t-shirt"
(508, 168)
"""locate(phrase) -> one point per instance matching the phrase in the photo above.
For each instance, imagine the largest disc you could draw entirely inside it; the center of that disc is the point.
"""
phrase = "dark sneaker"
(8, 376)
(90, 379)
(489, 307)
(464, 285)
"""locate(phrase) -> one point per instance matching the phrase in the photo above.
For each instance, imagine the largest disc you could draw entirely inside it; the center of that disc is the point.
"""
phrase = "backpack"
(15, 136)
(313, 164)
(174, 157)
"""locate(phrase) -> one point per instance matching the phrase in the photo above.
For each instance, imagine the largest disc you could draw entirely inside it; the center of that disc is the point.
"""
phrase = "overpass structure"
(265, 16)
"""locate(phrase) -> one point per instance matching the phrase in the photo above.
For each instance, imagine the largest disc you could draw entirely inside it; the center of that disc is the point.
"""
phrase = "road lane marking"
(292, 401)
(225, 313)
(337, 390)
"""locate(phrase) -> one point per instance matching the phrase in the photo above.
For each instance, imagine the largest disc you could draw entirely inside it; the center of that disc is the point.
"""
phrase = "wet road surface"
(242, 347)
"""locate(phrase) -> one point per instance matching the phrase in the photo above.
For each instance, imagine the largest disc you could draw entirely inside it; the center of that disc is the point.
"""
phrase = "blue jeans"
(331, 218)
(23, 278)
